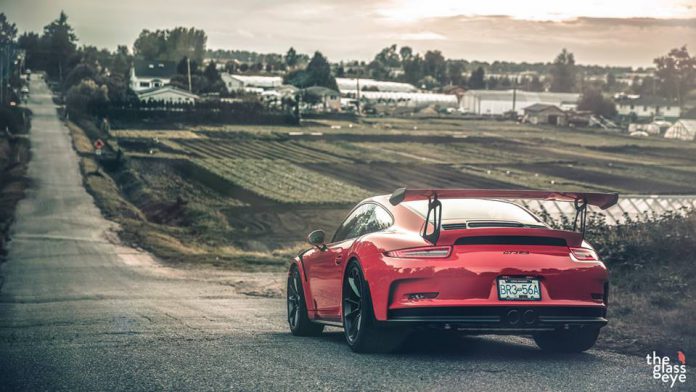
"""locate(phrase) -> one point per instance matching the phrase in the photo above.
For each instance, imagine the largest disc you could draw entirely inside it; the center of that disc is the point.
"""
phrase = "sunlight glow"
(547, 10)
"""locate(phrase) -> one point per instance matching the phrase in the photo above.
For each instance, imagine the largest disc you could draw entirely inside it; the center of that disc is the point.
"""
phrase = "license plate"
(519, 289)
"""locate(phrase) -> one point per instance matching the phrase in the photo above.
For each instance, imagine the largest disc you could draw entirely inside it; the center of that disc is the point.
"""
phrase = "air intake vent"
(511, 240)
(454, 226)
(473, 225)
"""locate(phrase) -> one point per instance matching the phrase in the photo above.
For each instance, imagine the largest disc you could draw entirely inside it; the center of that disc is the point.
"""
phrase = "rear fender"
(306, 289)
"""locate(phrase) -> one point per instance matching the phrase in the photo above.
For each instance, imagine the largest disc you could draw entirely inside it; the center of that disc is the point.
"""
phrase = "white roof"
(165, 89)
(254, 81)
(682, 130)
(416, 98)
(351, 84)
(522, 96)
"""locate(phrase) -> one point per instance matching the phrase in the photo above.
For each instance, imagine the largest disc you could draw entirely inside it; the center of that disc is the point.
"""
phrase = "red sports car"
(466, 260)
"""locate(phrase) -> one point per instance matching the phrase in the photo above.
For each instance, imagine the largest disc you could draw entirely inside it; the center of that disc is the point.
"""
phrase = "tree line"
(100, 75)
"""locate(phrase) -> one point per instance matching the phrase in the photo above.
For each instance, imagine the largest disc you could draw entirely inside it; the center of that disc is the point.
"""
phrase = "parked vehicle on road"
(462, 260)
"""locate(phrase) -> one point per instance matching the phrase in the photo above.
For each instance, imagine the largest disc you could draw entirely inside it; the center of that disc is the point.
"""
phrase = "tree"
(182, 67)
(405, 52)
(79, 73)
(535, 84)
(211, 73)
(594, 101)
(455, 71)
(319, 71)
(676, 73)
(434, 65)
(291, 58)
(563, 73)
(413, 69)
(122, 60)
(59, 43)
(171, 45)
(30, 42)
(87, 97)
(389, 57)
(8, 31)
(477, 79)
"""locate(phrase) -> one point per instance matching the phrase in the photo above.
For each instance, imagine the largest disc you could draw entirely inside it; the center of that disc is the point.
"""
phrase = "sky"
(614, 32)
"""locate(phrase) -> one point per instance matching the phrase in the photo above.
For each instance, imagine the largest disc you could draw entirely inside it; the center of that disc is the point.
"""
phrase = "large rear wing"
(581, 200)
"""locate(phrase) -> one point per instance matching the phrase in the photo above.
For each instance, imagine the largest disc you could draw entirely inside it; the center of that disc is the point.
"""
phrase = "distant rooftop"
(522, 96)
(154, 69)
(351, 84)
(254, 80)
(646, 101)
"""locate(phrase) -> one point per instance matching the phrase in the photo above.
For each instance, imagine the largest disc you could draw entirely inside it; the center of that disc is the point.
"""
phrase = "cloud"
(489, 30)
(422, 36)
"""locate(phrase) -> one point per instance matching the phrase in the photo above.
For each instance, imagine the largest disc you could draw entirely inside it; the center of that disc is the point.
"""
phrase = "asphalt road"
(80, 312)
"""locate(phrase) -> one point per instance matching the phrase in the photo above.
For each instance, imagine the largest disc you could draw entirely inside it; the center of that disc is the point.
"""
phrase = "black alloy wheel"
(300, 324)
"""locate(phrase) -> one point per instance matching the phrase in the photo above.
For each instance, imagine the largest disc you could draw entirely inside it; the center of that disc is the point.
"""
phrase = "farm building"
(415, 100)
(495, 103)
(330, 100)
(647, 107)
(244, 82)
(146, 75)
(392, 93)
(541, 113)
(348, 85)
(169, 94)
(682, 130)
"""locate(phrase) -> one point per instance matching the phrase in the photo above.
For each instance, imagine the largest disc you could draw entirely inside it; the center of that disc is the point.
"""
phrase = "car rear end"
(495, 280)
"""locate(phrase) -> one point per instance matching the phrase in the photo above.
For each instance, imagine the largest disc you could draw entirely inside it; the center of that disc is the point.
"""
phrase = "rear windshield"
(465, 210)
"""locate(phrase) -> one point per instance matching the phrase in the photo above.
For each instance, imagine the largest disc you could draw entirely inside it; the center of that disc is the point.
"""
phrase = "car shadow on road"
(436, 344)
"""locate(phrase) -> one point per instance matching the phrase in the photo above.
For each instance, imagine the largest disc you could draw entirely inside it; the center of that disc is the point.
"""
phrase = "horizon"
(496, 31)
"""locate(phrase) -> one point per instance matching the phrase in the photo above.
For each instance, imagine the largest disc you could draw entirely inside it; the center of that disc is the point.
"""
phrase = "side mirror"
(316, 238)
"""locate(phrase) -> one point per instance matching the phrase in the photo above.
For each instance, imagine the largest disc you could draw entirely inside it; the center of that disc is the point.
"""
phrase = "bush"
(88, 98)
(594, 101)
(15, 119)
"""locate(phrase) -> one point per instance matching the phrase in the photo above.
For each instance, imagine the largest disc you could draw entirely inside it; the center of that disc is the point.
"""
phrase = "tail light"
(431, 252)
(583, 254)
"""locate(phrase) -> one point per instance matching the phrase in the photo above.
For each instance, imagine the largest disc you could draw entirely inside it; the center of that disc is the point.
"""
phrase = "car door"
(326, 267)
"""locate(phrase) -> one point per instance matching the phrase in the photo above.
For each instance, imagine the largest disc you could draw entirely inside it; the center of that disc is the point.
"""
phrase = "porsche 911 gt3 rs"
(465, 260)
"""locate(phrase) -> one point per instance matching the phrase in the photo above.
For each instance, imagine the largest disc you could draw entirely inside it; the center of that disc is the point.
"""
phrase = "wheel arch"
(298, 263)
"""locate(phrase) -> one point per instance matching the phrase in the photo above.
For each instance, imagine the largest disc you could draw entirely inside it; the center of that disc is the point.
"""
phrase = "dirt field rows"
(261, 189)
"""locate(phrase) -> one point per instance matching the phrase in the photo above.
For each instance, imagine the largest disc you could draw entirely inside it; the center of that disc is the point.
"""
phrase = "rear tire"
(567, 341)
(359, 325)
(300, 324)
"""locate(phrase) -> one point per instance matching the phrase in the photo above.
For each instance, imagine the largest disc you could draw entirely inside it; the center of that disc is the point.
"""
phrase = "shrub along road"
(80, 312)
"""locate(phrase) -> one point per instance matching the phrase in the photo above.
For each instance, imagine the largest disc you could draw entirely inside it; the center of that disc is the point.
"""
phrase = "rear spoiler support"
(580, 212)
(434, 208)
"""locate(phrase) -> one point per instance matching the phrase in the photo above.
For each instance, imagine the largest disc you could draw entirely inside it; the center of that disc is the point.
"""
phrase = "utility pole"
(188, 66)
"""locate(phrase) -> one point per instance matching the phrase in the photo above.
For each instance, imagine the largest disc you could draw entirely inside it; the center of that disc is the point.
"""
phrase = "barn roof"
(523, 96)
(540, 107)
(159, 90)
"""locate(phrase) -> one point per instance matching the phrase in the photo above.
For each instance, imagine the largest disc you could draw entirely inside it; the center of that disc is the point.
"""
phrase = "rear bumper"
(499, 319)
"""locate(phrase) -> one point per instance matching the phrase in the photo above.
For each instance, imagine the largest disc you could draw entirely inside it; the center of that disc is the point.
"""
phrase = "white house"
(647, 107)
(146, 75)
(496, 102)
(682, 130)
(169, 94)
(245, 82)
